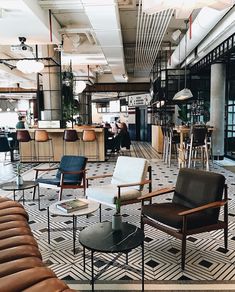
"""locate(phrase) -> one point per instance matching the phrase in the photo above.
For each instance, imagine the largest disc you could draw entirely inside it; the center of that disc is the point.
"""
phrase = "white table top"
(92, 207)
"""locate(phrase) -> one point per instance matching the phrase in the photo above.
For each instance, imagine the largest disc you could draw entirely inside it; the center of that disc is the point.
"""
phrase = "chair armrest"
(46, 169)
(73, 172)
(216, 204)
(134, 184)
(99, 176)
(157, 193)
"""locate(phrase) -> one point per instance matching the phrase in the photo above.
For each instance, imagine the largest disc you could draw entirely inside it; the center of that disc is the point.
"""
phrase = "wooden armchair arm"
(46, 169)
(157, 193)
(99, 176)
(43, 169)
(73, 172)
(216, 204)
(134, 184)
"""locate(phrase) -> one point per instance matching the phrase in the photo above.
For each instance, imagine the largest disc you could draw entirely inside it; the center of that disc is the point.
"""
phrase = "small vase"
(117, 222)
(19, 180)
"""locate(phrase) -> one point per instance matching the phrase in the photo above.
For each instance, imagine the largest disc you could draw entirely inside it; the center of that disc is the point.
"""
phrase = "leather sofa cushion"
(15, 231)
(19, 265)
(14, 210)
(17, 240)
(18, 252)
(13, 224)
(24, 279)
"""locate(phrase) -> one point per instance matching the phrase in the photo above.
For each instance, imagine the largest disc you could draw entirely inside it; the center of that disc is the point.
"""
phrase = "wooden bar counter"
(71, 148)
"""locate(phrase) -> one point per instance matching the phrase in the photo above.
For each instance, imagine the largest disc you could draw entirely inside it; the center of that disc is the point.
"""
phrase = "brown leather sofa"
(21, 266)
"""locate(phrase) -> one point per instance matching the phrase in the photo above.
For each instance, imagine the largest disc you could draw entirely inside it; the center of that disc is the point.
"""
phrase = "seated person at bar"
(121, 140)
(20, 123)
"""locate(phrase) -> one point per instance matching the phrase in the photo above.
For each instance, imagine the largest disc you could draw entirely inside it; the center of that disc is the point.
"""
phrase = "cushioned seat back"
(199, 135)
(130, 170)
(196, 187)
(72, 163)
(23, 136)
(41, 136)
(70, 135)
(4, 144)
(89, 136)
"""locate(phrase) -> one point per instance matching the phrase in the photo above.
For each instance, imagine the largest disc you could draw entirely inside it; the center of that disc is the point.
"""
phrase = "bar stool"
(89, 136)
(71, 136)
(197, 145)
(23, 136)
(41, 136)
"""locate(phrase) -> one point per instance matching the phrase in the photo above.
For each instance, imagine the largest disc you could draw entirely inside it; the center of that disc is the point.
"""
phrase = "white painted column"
(217, 108)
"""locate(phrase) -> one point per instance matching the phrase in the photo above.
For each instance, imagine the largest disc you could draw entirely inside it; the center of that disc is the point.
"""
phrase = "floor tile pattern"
(206, 258)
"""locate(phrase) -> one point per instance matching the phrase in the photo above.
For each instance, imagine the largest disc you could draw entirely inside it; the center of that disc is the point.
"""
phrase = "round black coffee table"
(101, 238)
(13, 187)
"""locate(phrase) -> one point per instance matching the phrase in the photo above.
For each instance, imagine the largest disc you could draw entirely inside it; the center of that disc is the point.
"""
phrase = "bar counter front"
(72, 148)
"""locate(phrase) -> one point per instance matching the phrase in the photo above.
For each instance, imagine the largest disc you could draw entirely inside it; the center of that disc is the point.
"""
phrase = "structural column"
(217, 108)
(51, 81)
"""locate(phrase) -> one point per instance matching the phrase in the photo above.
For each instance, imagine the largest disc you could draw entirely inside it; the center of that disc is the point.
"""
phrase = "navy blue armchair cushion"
(4, 145)
(69, 163)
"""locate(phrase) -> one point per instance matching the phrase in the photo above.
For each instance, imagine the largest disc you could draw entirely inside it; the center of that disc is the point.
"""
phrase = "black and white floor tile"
(206, 258)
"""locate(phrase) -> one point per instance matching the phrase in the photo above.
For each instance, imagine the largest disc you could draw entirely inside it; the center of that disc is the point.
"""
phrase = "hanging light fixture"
(29, 66)
(183, 8)
(80, 86)
(184, 93)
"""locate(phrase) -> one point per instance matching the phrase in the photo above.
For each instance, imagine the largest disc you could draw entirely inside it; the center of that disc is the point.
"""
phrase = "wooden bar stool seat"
(44, 153)
(89, 136)
(71, 136)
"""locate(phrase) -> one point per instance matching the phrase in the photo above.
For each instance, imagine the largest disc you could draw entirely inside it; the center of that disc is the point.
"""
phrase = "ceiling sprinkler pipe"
(205, 21)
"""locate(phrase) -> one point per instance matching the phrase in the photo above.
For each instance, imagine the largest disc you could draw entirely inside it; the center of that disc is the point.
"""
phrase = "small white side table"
(52, 209)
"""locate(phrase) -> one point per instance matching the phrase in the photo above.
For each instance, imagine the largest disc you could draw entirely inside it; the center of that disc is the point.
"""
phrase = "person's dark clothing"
(20, 125)
(121, 140)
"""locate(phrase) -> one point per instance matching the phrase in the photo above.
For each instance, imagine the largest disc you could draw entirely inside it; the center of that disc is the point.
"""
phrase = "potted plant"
(117, 217)
(19, 179)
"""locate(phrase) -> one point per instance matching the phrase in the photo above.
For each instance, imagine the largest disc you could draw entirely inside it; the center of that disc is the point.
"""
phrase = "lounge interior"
(126, 108)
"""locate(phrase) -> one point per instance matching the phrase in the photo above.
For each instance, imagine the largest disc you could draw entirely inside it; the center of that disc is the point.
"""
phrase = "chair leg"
(60, 194)
(34, 192)
(183, 252)
(100, 212)
(226, 238)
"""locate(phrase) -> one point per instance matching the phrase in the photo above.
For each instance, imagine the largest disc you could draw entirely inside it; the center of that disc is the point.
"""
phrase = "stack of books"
(72, 206)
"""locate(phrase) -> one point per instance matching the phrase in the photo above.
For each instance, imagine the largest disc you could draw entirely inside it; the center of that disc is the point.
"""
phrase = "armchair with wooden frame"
(128, 180)
(195, 207)
(71, 174)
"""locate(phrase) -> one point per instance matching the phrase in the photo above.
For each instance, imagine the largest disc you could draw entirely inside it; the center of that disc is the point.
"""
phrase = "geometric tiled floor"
(205, 259)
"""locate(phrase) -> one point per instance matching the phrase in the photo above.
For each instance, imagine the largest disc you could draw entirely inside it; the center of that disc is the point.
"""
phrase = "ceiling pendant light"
(29, 66)
(184, 93)
(80, 86)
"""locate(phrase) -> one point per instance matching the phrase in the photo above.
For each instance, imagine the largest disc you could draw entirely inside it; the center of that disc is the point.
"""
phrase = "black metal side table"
(13, 187)
(100, 237)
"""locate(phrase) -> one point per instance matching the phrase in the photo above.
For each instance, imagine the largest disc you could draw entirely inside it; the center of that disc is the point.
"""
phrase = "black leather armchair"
(195, 207)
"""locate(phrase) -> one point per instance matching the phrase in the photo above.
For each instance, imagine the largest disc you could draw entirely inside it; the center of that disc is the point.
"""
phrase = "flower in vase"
(118, 205)
(18, 169)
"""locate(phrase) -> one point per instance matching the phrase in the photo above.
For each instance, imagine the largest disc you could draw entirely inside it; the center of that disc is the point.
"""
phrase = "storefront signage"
(139, 100)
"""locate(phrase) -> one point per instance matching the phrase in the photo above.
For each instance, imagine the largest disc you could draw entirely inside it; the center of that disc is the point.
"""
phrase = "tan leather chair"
(89, 136)
(45, 153)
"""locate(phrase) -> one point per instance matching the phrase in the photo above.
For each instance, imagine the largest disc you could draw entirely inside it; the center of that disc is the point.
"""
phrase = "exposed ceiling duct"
(205, 21)
(150, 32)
